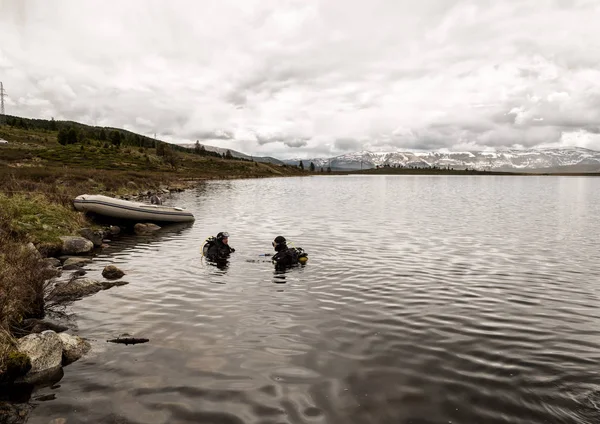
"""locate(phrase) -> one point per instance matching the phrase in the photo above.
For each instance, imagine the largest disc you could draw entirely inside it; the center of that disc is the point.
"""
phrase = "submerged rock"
(114, 230)
(74, 263)
(75, 289)
(80, 287)
(72, 245)
(109, 284)
(74, 347)
(145, 228)
(111, 272)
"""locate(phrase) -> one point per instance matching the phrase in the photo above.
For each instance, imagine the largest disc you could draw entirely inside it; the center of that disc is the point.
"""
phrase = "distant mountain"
(574, 159)
(234, 153)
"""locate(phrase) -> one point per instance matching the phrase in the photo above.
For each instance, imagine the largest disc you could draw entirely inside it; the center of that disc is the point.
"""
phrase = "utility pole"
(2, 94)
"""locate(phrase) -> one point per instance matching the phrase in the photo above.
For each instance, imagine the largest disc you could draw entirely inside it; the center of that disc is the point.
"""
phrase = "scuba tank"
(293, 254)
(301, 255)
(207, 244)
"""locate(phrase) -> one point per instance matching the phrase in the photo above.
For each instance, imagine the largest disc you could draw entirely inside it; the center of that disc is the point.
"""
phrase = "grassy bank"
(46, 164)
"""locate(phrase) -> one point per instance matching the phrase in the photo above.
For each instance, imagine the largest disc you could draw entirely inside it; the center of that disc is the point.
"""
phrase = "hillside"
(43, 147)
(234, 153)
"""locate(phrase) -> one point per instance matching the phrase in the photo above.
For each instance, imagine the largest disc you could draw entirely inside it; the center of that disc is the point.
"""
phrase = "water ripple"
(425, 300)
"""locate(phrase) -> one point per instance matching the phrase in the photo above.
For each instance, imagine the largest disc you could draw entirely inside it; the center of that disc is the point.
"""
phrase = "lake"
(426, 299)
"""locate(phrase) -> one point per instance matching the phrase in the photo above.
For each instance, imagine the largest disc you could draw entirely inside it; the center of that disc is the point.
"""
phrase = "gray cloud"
(306, 78)
(211, 135)
(347, 144)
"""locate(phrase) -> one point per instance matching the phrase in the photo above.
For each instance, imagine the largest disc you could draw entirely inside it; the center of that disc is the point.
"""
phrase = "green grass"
(33, 217)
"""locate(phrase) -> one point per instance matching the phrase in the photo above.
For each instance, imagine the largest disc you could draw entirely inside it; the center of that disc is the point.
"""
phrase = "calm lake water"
(426, 299)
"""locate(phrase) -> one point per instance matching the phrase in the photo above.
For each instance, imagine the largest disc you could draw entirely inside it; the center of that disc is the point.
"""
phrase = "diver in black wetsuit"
(287, 257)
(218, 249)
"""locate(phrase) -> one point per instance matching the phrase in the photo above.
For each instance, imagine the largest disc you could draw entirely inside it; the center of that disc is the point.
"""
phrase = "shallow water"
(426, 299)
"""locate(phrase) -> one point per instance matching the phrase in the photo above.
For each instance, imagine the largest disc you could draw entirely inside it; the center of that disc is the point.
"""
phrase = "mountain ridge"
(497, 160)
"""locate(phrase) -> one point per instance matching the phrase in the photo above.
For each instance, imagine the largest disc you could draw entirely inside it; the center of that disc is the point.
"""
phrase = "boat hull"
(135, 211)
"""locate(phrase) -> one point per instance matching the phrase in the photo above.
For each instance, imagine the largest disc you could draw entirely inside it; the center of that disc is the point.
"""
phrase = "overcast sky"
(303, 78)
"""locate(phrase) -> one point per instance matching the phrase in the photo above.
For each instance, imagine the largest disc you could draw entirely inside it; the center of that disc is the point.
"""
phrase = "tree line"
(312, 167)
(70, 132)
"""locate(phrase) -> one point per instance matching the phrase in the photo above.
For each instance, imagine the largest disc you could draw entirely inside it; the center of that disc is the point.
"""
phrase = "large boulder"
(43, 349)
(111, 272)
(72, 245)
(93, 236)
(145, 228)
(74, 347)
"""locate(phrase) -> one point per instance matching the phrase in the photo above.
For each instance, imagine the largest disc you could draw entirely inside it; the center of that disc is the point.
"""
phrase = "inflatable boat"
(125, 209)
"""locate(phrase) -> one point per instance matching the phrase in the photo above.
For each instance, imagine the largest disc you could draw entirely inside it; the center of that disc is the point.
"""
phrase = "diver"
(287, 257)
(217, 249)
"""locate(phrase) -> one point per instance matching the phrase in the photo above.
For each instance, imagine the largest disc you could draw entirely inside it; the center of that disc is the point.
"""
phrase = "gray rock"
(114, 230)
(75, 245)
(80, 287)
(111, 272)
(78, 273)
(145, 228)
(110, 284)
(44, 350)
(74, 347)
(51, 262)
(75, 289)
(74, 263)
(93, 236)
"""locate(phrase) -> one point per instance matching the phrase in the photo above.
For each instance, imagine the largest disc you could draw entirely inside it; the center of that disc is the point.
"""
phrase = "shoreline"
(57, 273)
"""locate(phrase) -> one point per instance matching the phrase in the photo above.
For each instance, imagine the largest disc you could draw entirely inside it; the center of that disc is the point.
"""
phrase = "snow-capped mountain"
(499, 160)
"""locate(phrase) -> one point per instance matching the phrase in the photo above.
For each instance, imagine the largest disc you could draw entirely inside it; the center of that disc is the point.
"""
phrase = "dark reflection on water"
(425, 300)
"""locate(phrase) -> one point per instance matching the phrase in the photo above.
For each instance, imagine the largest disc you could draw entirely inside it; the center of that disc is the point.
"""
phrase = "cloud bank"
(301, 78)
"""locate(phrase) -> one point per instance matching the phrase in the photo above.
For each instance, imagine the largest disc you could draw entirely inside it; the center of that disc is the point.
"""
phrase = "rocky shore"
(42, 346)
